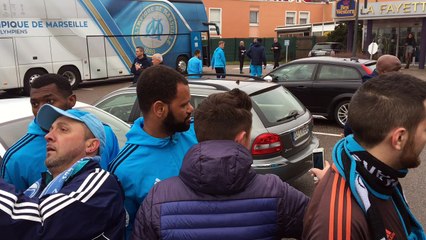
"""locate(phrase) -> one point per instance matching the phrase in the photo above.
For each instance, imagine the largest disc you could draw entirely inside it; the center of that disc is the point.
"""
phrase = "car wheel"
(341, 112)
(182, 64)
(72, 74)
(29, 78)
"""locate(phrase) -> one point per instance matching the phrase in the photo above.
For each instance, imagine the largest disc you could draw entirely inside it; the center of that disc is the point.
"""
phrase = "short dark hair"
(158, 83)
(197, 52)
(61, 82)
(385, 102)
(140, 48)
(221, 116)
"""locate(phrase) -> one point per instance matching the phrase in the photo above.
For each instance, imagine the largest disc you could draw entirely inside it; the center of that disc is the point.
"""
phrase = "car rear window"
(277, 105)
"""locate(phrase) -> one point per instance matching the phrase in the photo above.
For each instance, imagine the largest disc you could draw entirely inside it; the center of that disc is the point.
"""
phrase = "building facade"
(270, 18)
(388, 23)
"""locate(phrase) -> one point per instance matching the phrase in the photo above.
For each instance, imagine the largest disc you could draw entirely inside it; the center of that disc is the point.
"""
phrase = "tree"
(339, 34)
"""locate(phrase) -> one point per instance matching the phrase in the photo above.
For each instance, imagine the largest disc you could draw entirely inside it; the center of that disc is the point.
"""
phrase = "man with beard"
(360, 197)
(156, 143)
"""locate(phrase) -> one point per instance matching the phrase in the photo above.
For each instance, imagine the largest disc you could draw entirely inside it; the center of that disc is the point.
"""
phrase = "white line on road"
(327, 134)
(87, 89)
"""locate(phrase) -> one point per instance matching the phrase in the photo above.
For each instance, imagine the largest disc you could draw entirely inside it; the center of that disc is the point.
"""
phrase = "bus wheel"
(72, 74)
(29, 78)
(182, 64)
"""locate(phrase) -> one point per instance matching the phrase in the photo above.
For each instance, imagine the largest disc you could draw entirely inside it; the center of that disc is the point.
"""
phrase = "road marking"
(87, 89)
(327, 134)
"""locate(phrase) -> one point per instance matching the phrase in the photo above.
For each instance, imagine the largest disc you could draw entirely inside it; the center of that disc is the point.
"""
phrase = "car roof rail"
(213, 85)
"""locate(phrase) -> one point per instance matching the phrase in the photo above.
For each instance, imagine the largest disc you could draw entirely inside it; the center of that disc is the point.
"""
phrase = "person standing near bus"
(219, 60)
(140, 63)
(195, 65)
(241, 55)
(276, 49)
(157, 59)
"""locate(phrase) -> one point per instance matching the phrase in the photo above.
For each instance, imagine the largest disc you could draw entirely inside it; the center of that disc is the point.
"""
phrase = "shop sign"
(393, 9)
(345, 8)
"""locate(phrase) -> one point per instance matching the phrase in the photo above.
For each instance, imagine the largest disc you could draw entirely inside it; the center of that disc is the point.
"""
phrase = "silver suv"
(281, 139)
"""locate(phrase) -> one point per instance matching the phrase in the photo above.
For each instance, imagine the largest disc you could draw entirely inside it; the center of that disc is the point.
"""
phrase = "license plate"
(300, 132)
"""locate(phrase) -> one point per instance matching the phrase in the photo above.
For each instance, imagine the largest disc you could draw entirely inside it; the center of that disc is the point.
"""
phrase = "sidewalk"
(415, 71)
(235, 69)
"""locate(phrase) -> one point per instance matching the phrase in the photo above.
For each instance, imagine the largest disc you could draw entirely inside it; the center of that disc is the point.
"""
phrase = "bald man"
(387, 63)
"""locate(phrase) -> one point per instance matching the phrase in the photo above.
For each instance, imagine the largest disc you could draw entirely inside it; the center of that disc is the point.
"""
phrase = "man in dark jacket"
(217, 194)
(360, 197)
(140, 63)
(75, 199)
(276, 49)
(257, 56)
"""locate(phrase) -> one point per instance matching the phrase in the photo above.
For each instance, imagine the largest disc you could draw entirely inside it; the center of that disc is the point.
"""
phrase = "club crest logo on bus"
(158, 27)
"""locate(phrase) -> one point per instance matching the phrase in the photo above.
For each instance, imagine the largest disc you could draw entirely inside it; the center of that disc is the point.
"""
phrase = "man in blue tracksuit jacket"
(195, 65)
(156, 143)
(75, 199)
(219, 60)
(23, 162)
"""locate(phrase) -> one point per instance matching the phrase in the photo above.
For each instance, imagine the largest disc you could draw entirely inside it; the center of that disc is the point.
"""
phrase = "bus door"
(97, 57)
(8, 70)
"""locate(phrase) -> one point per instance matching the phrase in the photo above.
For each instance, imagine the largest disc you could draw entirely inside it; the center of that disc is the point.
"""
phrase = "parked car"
(326, 49)
(281, 138)
(17, 114)
(325, 85)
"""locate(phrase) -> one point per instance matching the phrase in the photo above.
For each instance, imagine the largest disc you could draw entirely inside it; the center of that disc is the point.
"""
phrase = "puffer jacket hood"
(217, 167)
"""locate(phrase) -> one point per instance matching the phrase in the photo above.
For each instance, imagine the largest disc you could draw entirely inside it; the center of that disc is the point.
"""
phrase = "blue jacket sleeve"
(111, 149)
(200, 66)
(88, 208)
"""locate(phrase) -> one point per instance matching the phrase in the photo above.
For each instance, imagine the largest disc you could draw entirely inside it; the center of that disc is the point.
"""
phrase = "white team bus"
(94, 39)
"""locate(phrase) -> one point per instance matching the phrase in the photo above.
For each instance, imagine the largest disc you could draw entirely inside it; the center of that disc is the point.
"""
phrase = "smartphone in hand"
(318, 158)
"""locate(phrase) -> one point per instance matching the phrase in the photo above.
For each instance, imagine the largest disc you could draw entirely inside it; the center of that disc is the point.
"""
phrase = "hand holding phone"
(318, 158)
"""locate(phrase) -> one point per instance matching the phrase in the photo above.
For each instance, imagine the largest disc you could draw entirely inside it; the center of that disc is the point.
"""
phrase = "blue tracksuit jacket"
(218, 58)
(146, 160)
(195, 65)
(23, 162)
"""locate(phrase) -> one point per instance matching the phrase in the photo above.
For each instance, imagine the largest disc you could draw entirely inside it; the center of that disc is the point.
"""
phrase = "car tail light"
(366, 69)
(266, 143)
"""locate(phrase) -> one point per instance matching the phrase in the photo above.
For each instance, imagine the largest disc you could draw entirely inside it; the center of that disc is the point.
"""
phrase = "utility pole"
(354, 44)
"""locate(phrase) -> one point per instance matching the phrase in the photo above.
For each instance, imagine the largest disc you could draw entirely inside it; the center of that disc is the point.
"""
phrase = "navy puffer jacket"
(257, 55)
(219, 196)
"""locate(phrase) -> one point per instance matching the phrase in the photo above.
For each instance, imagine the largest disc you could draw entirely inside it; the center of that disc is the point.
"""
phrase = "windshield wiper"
(292, 114)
